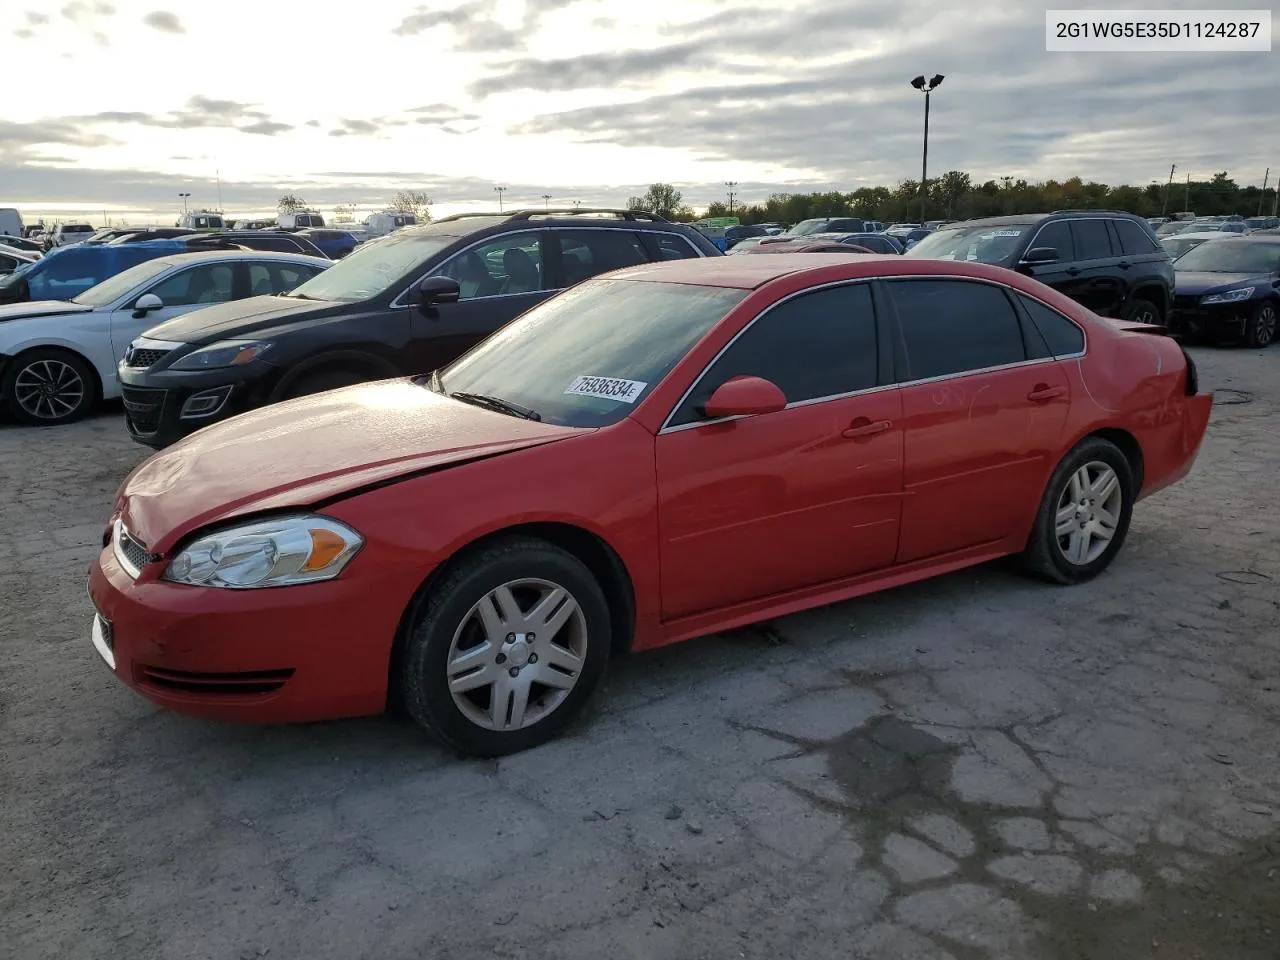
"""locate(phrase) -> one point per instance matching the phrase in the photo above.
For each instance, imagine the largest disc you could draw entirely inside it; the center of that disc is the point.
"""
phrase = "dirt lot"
(976, 767)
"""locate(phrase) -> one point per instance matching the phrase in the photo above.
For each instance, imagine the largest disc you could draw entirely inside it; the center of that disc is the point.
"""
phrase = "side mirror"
(145, 304)
(1040, 255)
(744, 397)
(435, 290)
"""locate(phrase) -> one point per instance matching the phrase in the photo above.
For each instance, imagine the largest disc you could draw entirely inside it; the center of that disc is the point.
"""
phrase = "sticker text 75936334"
(607, 388)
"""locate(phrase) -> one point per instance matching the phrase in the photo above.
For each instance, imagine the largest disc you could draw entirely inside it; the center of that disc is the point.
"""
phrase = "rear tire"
(48, 387)
(1143, 311)
(1084, 515)
(1260, 328)
(458, 658)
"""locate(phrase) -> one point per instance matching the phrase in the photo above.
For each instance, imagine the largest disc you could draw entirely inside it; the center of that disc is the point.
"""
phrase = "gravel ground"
(976, 767)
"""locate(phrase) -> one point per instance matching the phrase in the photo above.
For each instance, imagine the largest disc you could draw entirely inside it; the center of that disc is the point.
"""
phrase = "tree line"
(954, 196)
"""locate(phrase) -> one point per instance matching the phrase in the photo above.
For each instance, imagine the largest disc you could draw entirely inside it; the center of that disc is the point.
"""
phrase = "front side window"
(284, 277)
(205, 284)
(586, 357)
(585, 253)
(502, 267)
(1056, 236)
(818, 344)
(955, 326)
(111, 289)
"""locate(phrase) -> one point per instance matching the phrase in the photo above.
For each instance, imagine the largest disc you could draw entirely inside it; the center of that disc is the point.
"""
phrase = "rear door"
(1101, 279)
(982, 414)
(498, 280)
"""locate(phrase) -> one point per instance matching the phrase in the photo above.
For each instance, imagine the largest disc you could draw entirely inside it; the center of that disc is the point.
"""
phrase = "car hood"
(239, 317)
(301, 452)
(1193, 283)
(39, 308)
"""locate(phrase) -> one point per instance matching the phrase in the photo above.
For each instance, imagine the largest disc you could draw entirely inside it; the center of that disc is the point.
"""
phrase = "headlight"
(225, 353)
(279, 552)
(1230, 296)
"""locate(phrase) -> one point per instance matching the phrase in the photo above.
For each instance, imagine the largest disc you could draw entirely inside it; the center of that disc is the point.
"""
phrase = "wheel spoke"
(1107, 522)
(491, 619)
(1065, 521)
(547, 675)
(1105, 486)
(565, 659)
(482, 675)
(1079, 483)
(1078, 548)
(509, 700)
(552, 613)
(472, 668)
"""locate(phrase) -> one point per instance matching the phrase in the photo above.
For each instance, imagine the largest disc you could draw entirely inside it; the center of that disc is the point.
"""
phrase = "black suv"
(404, 304)
(272, 241)
(1106, 260)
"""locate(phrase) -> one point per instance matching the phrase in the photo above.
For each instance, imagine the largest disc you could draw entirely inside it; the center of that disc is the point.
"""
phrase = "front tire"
(1084, 514)
(321, 381)
(49, 387)
(1260, 329)
(506, 649)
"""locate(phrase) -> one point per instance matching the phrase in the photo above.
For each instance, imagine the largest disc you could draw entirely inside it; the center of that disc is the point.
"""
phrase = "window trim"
(667, 426)
(1068, 220)
(878, 299)
(396, 301)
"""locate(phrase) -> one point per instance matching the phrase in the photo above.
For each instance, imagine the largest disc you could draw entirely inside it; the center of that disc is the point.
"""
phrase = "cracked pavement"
(980, 766)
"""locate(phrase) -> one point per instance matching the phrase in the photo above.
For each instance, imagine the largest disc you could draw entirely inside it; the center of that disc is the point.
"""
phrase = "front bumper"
(286, 654)
(161, 407)
(1190, 317)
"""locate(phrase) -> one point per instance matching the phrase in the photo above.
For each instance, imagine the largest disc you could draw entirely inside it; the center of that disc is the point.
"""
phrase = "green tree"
(291, 203)
(661, 198)
(414, 202)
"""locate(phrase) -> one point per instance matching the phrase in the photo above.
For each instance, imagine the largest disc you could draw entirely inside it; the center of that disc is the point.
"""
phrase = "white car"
(58, 358)
(1180, 243)
(69, 234)
(12, 259)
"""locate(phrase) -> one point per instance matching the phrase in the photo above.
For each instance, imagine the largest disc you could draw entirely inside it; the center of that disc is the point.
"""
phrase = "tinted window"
(1092, 240)
(1056, 235)
(7, 264)
(285, 277)
(260, 282)
(951, 326)
(209, 283)
(507, 265)
(585, 253)
(878, 244)
(819, 344)
(1062, 336)
(1133, 239)
(672, 247)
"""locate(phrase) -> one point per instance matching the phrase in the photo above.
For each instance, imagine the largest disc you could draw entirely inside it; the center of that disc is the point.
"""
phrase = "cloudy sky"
(119, 105)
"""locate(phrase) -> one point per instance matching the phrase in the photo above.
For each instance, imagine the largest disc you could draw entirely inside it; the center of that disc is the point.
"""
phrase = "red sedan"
(667, 451)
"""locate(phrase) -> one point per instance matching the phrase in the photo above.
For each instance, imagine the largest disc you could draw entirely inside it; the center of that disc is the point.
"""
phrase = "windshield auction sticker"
(607, 388)
(1157, 31)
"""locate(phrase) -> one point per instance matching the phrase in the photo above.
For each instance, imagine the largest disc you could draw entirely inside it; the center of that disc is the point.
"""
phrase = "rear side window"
(1062, 336)
(586, 253)
(1092, 240)
(955, 326)
(819, 344)
(1133, 239)
(671, 247)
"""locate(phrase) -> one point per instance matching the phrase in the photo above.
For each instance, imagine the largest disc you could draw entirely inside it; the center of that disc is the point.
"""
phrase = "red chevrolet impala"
(666, 451)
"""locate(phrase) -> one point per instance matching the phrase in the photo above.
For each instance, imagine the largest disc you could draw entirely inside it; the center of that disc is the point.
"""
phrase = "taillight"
(1193, 378)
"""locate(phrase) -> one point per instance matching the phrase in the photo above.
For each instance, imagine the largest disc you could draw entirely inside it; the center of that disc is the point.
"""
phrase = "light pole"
(546, 201)
(731, 184)
(926, 87)
(1262, 196)
(184, 202)
(1164, 207)
(499, 191)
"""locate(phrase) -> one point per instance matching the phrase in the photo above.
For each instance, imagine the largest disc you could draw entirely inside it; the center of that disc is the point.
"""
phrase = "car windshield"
(110, 290)
(992, 243)
(806, 227)
(373, 269)
(586, 357)
(1232, 256)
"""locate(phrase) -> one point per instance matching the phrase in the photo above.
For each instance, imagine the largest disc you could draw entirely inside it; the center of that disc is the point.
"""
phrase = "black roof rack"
(531, 212)
(1123, 213)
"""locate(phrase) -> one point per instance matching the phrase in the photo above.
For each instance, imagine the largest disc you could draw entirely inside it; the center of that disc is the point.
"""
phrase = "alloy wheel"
(1088, 513)
(1264, 325)
(49, 389)
(517, 654)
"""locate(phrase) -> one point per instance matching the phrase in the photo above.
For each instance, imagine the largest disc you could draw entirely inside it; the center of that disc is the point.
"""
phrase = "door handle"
(1043, 393)
(862, 428)
(1073, 271)
(1124, 264)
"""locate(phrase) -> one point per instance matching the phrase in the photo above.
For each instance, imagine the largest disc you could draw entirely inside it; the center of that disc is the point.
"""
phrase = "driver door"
(180, 292)
(756, 506)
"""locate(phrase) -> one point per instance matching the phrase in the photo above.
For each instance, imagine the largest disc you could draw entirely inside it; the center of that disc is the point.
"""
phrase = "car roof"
(1204, 235)
(747, 273)
(208, 255)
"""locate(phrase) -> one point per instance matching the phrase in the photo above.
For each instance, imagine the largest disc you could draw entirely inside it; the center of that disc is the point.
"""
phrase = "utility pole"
(499, 191)
(546, 201)
(1186, 195)
(1261, 196)
(1164, 208)
(731, 184)
(218, 176)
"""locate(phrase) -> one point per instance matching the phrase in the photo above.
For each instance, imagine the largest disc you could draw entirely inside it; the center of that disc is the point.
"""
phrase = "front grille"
(141, 359)
(134, 550)
(143, 408)
(255, 683)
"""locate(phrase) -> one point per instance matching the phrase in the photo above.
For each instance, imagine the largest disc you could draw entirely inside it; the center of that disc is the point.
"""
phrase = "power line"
(731, 184)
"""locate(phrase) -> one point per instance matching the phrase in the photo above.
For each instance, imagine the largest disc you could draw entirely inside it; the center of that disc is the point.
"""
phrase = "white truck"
(204, 220)
(70, 233)
(10, 222)
(299, 219)
(387, 221)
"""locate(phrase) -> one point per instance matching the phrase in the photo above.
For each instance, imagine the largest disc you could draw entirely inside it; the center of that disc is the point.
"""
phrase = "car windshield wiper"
(498, 404)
